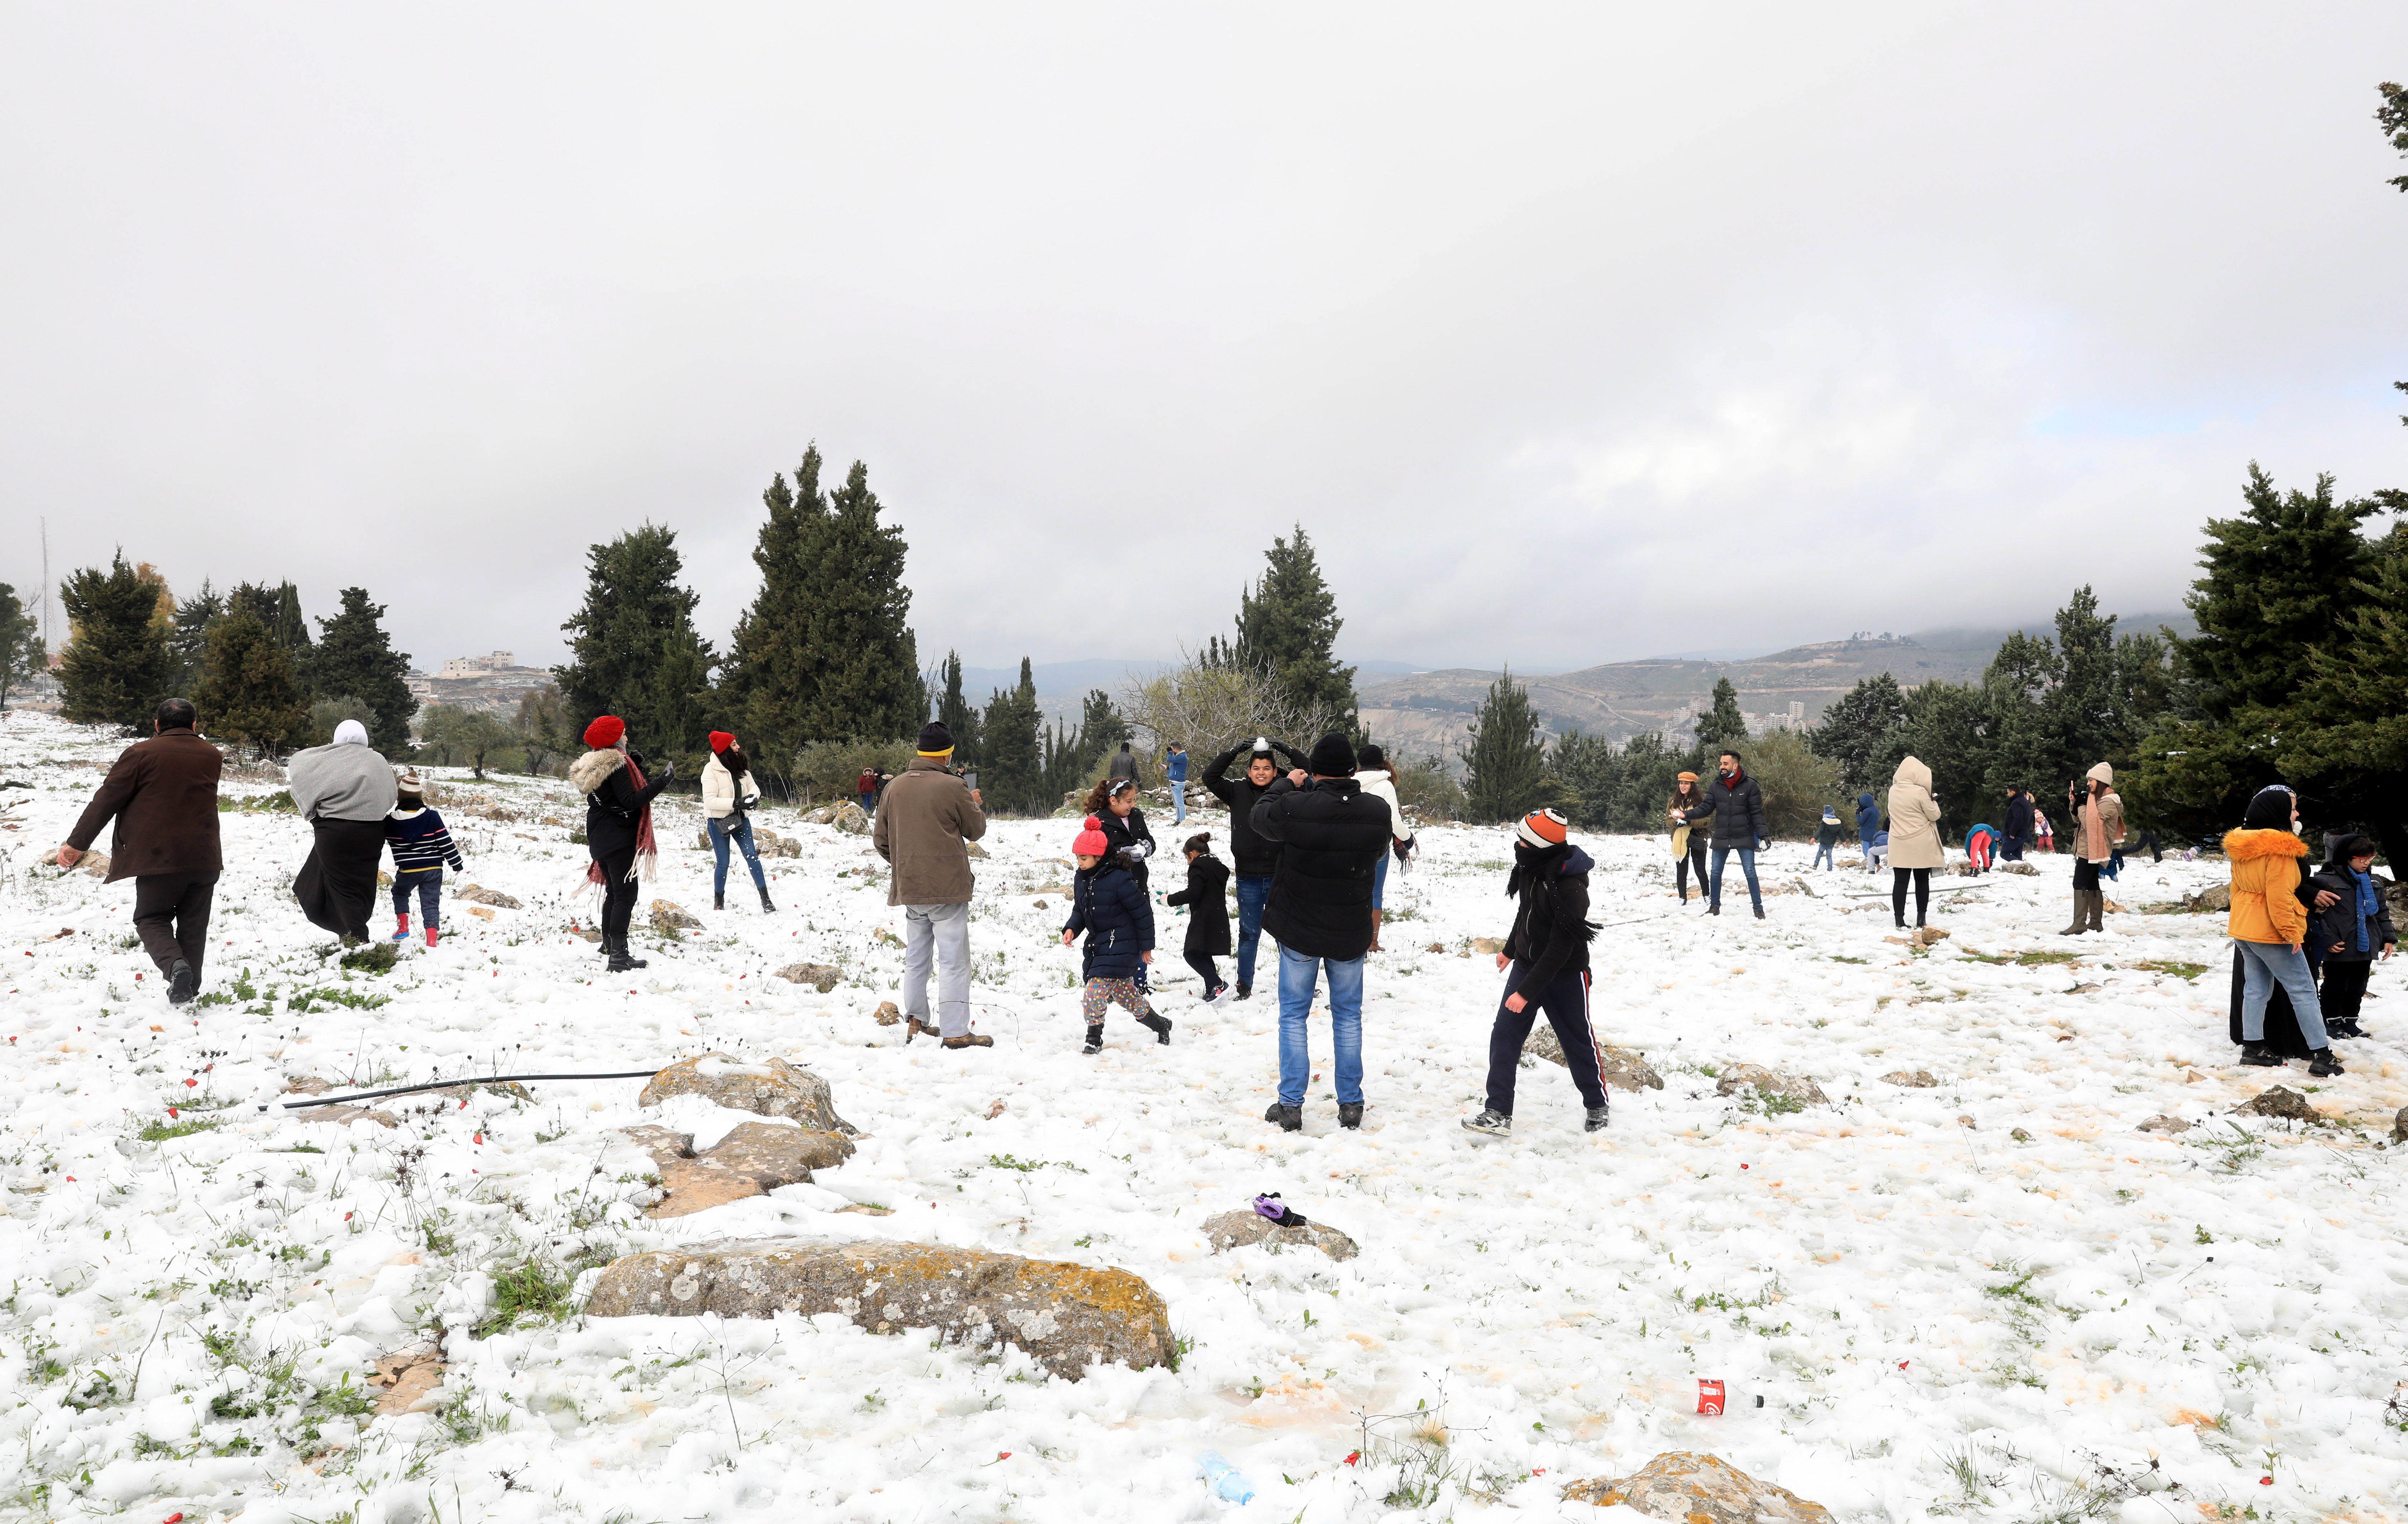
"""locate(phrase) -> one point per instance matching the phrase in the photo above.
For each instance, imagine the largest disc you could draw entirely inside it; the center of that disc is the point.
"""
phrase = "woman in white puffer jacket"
(728, 791)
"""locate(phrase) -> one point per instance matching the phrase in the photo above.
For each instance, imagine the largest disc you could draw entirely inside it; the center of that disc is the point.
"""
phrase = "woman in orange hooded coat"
(2267, 924)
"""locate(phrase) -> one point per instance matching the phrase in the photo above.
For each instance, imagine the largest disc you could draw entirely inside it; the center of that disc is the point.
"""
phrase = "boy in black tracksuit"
(2355, 932)
(1548, 953)
(1256, 856)
(1207, 899)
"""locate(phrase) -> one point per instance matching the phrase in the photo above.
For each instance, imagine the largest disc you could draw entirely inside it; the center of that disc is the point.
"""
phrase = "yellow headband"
(947, 752)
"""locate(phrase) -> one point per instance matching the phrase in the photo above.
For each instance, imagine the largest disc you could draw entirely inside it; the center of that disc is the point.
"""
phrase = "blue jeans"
(1179, 801)
(1822, 857)
(742, 835)
(1747, 866)
(2265, 964)
(1252, 894)
(428, 887)
(1298, 972)
(1379, 881)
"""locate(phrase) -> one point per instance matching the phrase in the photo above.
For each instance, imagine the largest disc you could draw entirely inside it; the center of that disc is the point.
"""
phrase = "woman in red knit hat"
(618, 827)
(728, 790)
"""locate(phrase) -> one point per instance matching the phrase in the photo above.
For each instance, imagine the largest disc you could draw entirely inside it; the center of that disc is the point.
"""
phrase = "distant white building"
(493, 683)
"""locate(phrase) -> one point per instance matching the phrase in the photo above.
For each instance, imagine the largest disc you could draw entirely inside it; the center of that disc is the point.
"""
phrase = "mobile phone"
(970, 778)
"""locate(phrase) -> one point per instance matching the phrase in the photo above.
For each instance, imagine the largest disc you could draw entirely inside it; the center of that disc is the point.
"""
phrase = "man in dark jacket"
(1868, 826)
(1124, 764)
(1256, 859)
(1736, 803)
(1548, 953)
(162, 794)
(2019, 825)
(1330, 833)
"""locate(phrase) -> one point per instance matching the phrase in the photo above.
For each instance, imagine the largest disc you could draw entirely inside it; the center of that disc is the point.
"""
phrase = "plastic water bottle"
(1226, 1479)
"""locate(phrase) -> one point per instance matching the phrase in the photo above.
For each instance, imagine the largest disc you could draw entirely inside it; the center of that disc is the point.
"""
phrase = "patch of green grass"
(2036, 960)
(529, 1292)
(182, 1126)
(306, 1001)
(377, 958)
(1006, 1161)
(1843, 958)
(2175, 966)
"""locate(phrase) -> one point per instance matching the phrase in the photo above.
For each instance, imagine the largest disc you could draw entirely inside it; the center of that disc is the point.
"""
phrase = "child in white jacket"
(728, 790)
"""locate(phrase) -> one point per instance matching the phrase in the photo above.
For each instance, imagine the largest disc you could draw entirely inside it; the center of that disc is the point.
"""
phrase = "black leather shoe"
(1290, 1118)
(1350, 1114)
(184, 984)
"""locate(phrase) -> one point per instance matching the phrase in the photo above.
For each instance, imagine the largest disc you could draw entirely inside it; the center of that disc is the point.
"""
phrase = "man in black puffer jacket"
(1256, 859)
(1736, 803)
(1330, 833)
(1548, 952)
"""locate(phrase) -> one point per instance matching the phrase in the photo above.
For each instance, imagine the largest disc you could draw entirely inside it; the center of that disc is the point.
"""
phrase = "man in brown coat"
(925, 821)
(162, 794)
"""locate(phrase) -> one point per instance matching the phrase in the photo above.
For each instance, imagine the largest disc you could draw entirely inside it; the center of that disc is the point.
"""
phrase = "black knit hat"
(1371, 757)
(2269, 809)
(1333, 756)
(936, 739)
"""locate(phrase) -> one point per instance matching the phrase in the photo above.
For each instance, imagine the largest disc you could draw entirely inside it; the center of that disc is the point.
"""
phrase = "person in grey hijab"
(344, 789)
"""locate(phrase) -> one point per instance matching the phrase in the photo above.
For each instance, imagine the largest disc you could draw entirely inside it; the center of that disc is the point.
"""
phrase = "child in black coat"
(1108, 903)
(2355, 930)
(1207, 900)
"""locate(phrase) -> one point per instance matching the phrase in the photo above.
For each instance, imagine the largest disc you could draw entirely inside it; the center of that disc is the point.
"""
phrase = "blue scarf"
(2368, 908)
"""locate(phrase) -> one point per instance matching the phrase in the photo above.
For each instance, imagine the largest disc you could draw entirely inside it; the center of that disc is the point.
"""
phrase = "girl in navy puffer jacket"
(1108, 903)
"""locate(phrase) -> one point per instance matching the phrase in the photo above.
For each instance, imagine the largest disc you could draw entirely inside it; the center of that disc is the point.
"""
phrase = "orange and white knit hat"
(1543, 828)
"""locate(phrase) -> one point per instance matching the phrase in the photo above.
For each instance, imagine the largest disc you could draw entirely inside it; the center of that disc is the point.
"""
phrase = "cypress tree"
(190, 641)
(277, 608)
(20, 643)
(355, 659)
(959, 715)
(825, 651)
(1014, 775)
(116, 665)
(1288, 624)
(248, 693)
(633, 651)
(1724, 725)
(1507, 761)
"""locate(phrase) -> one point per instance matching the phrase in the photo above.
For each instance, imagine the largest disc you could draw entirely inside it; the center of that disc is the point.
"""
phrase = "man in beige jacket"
(925, 821)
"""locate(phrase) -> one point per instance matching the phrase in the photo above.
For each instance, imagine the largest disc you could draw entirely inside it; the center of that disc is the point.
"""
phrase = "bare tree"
(1208, 705)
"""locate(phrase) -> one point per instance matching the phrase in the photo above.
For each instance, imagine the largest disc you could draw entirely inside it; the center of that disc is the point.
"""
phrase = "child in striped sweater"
(421, 847)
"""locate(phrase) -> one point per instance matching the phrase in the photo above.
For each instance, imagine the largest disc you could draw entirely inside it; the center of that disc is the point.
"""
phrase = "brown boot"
(2098, 898)
(2080, 914)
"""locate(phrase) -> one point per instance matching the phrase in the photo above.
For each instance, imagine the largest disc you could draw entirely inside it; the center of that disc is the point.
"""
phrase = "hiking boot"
(1495, 1124)
(620, 960)
(914, 1027)
(2255, 1057)
(2348, 1028)
(1596, 1119)
(183, 984)
(2324, 1063)
(1290, 1118)
(767, 908)
(1713, 910)
(1245, 992)
(1350, 1114)
(1160, 1026)
(1095, 1039)
(718, 901)
(972, 1040)
(1759, 915)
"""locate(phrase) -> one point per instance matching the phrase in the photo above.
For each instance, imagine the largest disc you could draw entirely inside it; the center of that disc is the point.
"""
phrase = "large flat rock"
(1682, 1487)
(1236, 1229)
(1066, 1315)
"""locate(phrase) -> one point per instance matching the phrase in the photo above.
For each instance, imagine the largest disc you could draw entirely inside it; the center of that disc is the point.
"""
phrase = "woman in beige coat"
(1914, 846)
(2098, 829)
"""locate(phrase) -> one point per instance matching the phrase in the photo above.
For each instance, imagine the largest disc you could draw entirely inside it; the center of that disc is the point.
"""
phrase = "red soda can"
(1710, 1398)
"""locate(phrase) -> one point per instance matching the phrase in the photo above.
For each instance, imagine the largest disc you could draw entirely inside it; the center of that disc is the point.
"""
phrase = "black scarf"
(1534, 866)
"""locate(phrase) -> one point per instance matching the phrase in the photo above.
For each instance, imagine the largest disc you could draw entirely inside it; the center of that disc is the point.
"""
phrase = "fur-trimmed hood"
(2241, 846)
(591, 771)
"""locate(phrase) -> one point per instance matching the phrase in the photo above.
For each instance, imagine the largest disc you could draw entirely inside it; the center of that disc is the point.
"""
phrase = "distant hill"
(1427, 711)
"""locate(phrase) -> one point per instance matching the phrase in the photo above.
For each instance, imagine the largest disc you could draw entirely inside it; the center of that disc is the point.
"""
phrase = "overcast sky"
(1570, 335)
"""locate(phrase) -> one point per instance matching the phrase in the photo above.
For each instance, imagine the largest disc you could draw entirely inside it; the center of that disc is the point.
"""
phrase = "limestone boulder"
(771, 1088)
(1625, 1068)
(1682, 1487)
(2021, 870)
(2399, 1126)
(973, 849)
(494, 897)
(819, 977)
(2286, 1104)
(770, 844)
(2216, 897)
(669, 915)
(1067, 1316)
(888, 1013)
(2164, 1124)
(775, 1155)
(1919, 1080)
(346, 1116)
(1741, 1076)
(665, 1147)
(1236, 1229)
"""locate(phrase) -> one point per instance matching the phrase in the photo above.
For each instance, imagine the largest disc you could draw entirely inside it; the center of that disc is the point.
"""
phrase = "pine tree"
(1857, 731)
(248, 693)
(116, 665)
(825, 652)
(277, 608)
(958, 714)
(355, 659)
(1594, 776)
(1506, 759)
(1013, 778)
(22, 655)
(1288, 624)
(190, 641)
(1724, 725)
(633, 651)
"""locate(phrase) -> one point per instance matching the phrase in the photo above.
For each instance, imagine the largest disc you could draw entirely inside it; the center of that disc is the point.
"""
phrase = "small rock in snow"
(1687, 1488)
(888, 1013)
(2286, 1104)
(668, 915)
(1236, 1229)
(1796, 1087)
(772, 1088)
(1919, 1080)
(2164, 1124)
(819, 977)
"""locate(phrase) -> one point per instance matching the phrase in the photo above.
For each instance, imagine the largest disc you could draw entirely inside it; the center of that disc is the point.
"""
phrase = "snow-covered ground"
(2044, 1313)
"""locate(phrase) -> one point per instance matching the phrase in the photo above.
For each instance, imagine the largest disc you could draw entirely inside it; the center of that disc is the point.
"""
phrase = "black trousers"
(1203, 963)
(1566, 1002)
(1680, 867)
(1899, 878)
(337, 885)
(171, 916)
(619, 887)
(2086, 876)
(2344, 988)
